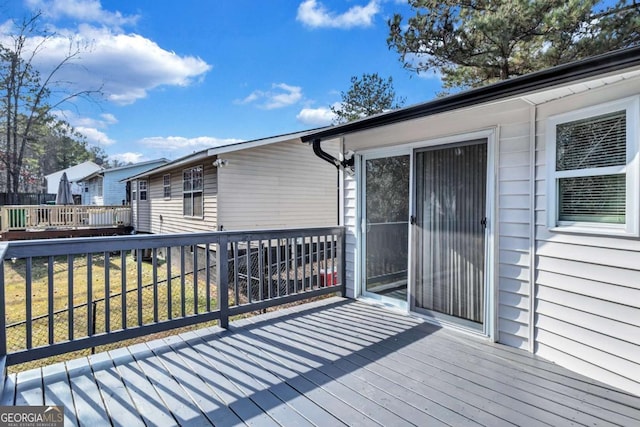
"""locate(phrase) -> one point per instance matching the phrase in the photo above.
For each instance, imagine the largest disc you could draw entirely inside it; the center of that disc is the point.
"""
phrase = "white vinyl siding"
(588, 286)
(280, 185)
(512, 199)
(350, 222)
(166, 214)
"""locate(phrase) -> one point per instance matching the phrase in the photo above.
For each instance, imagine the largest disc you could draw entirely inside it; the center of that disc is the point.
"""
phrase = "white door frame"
(490, 322)
(360, 177)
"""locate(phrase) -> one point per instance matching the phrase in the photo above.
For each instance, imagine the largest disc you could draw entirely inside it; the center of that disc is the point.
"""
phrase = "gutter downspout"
(318, 151)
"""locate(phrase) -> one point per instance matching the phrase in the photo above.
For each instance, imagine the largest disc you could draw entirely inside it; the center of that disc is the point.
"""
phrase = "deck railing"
(63, 295)
(42, 217)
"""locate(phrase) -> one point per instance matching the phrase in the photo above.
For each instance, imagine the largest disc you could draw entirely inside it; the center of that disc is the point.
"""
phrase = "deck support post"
(341, 256)
(3, 320)
(222, 270)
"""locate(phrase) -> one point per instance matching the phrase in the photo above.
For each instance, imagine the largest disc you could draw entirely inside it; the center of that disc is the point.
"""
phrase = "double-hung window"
(593, 165)
(166, 186)
(142, 187)
(192, 186)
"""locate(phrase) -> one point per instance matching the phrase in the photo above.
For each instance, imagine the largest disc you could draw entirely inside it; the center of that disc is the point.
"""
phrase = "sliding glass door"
(386, 227)
(449, 245)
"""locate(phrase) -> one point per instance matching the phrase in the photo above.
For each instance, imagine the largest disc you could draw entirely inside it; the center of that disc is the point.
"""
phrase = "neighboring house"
(511, 211)
(105, 187)
(74, 174)
(267, 183)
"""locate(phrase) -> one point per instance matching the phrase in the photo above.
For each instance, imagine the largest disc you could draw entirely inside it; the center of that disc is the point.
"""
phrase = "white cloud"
(128, 157)
(187, 145)
(316, 116)
(82, 10)
(281, 95)
(124, 66)
(95, 136)
(91, 128)
(314, 14)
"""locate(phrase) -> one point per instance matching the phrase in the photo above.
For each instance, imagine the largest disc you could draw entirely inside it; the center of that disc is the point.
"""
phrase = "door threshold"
(451, 325)
(397, 306)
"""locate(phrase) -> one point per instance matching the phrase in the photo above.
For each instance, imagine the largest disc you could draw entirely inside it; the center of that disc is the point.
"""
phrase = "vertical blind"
(450, 250)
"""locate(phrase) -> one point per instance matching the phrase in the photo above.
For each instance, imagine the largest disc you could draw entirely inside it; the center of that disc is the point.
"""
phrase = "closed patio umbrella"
(64, 196)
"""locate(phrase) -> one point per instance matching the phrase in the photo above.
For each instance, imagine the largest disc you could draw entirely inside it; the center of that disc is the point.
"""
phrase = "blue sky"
(179, 77)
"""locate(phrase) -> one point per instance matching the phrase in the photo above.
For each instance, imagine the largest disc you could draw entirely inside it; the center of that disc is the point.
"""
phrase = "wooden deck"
(333, 362)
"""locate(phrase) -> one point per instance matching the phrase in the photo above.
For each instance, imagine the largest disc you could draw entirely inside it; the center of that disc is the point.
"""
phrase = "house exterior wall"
(91, 194)
(278, 185)
(165, 215)
(140, 211)
(115, 189)
(583, 310)
(512, 208)
(587, 286)
(74, 174)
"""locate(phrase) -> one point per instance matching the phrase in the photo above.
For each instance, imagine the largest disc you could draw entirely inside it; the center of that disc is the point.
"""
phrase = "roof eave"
(544, 79)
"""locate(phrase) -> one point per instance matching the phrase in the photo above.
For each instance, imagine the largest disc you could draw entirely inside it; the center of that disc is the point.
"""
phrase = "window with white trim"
(192, 192)
(142, 189)
(166, 186)
(593, 169)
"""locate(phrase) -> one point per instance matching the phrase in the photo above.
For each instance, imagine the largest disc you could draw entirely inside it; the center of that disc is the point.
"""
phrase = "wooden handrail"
(62, 217)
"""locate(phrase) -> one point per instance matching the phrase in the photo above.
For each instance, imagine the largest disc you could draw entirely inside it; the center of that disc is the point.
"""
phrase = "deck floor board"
(332, 362)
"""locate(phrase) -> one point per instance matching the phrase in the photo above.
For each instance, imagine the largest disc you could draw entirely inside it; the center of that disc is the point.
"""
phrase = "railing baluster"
(287, 255)
(182, 281)
(269, 270)
(222, 266)
(324, 260)
(260, 270)
(340, 255)
(154, 261)
(107, 292)
(169, 291)
(123, 287)
(333, 257)
(248, 261)
(3, 318)
(236, 273)
(70, 303)
(303, 261)
(28, 302)
(89, 294)
(278, 262)
(317, 253)
(50, 300)
(195, 279)
(139, 283)
(295, 265)
(208, 275)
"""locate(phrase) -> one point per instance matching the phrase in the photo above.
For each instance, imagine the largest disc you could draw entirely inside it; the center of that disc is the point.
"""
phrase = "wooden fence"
(26, 198)
(59, 217)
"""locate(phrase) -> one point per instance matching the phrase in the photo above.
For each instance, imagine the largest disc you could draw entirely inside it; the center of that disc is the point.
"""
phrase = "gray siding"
(173, 221)
(512, 200)
(587, 287)
(279, 185)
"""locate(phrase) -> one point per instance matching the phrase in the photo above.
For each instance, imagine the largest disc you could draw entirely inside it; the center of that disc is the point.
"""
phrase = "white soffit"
(579, 87)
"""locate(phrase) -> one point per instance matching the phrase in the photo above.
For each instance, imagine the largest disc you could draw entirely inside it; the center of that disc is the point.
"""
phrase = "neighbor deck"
(331, 362)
